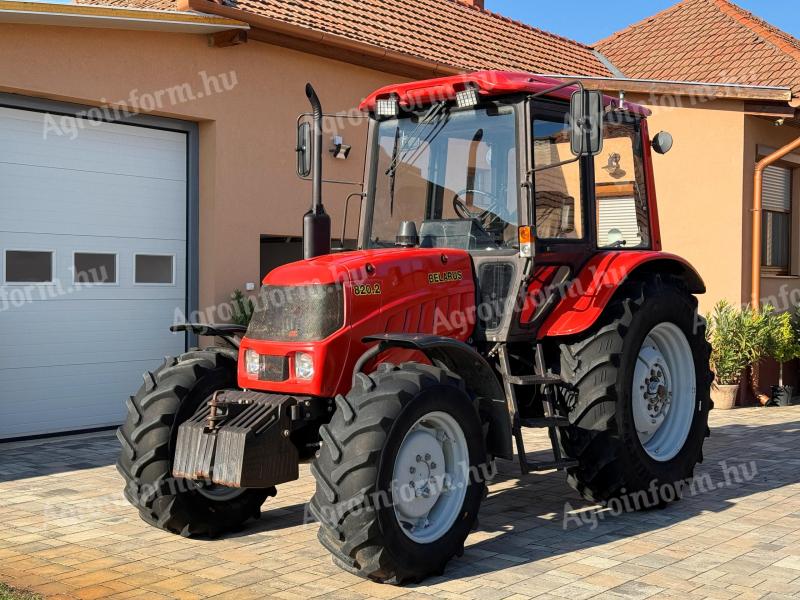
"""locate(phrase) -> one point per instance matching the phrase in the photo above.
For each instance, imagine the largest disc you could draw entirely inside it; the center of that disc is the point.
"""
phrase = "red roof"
(448, 32)
(712, 41)
(488, 83)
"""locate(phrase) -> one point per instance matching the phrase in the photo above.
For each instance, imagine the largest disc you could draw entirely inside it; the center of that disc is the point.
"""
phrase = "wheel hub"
(663, 391)
(430, 477)
(422, 459)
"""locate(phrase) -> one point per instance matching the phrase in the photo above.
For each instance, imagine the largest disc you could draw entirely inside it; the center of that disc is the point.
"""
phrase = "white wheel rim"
(430, 477)
(664, 391)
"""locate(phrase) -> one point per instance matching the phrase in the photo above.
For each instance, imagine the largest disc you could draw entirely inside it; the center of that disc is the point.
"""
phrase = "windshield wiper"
(400, 153)
(398, 150)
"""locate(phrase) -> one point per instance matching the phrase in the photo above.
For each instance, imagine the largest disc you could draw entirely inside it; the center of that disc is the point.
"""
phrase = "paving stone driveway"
(66, 532)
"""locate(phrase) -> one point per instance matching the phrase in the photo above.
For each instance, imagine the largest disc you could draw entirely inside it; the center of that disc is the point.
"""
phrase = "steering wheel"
(486, 218)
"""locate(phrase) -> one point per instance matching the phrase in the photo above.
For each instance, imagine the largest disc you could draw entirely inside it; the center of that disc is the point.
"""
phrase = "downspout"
(758, 180)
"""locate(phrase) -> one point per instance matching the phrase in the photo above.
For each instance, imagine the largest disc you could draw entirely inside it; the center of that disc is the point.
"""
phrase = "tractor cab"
(508, 167)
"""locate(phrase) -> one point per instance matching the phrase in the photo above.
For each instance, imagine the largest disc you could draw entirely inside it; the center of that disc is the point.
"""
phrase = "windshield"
(453, 173)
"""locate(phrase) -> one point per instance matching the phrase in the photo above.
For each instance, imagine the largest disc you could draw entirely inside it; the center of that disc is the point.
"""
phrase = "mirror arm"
(548, 91)
(552, 166)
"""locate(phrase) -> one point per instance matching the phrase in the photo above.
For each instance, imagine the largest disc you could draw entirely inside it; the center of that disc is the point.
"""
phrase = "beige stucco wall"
(699, 189)
(248, 184)
(780, 291)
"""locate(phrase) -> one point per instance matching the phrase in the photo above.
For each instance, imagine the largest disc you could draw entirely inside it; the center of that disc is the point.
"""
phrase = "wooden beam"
(776, 111)
(225, 39)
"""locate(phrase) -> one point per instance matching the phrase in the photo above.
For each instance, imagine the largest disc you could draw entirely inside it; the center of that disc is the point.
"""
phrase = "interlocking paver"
(68, 533)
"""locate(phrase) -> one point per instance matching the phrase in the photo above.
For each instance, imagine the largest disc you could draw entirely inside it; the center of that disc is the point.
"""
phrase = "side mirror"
(303, 149)
(586, 121)
(662, 142)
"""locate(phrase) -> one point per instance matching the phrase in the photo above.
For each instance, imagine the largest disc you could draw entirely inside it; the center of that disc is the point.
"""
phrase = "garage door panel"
(72, 352)
(66, 395)
(47, 334)
(65, 288)
(50, 201)
(28, 138)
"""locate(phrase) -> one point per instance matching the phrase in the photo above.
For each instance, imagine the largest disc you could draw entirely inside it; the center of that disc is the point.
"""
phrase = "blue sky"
(591, 20)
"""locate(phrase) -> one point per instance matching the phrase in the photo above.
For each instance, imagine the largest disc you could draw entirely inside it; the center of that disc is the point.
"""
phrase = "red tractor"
(508, 274)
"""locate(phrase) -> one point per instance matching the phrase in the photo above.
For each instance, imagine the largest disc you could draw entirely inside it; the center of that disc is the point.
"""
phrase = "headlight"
(303, 366)
(252, 361)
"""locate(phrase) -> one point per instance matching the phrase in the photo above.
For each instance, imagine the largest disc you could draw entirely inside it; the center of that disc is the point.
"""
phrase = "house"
(147, 161)
(740, 107)
(717, 43)
(147, 157)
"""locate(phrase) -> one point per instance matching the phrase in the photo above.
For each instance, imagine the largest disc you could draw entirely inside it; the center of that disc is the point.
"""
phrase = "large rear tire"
(168, 397)
(640, 416)
(399, 475)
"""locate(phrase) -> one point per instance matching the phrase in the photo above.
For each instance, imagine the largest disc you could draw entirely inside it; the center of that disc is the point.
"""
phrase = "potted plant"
(756, 339)
(737, 341)
(784, 346)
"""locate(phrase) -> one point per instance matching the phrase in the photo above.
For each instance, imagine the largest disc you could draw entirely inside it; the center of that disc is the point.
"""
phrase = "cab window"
(621, 187)
(557, 188)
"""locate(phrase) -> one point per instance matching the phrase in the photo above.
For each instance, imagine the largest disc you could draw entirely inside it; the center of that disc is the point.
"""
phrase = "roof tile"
(449, 32)
(712, 41)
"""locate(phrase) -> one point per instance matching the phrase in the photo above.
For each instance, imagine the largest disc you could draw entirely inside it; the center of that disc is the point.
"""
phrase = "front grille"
(274, 368)
(297, 313)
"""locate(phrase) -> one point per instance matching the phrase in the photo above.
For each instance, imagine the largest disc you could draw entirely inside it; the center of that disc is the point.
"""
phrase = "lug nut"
(427, 457)
(412, 470)
(419, 458)
(433, 465)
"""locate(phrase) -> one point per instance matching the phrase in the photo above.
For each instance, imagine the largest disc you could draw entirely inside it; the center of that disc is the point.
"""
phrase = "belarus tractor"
(508, 274)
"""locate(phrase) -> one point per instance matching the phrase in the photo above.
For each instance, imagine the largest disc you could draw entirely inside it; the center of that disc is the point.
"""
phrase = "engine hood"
(359, 265)
(396, 290)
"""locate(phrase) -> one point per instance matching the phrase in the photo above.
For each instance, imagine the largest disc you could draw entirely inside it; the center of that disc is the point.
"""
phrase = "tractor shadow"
(530, 520)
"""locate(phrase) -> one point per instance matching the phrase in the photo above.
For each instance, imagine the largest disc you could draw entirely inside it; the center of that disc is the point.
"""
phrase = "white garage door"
(92, 264)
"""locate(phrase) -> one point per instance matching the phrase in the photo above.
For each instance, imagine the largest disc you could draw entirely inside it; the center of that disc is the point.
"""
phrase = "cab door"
(560, 203)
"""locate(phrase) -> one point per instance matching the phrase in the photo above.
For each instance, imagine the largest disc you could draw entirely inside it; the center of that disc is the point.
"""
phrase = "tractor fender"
(463, 360)
(590, 292)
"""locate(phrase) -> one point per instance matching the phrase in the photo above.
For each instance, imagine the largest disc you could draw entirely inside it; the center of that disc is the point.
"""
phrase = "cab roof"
(488, 83)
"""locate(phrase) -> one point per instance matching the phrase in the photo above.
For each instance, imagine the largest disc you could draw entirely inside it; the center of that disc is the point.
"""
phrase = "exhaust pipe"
(316, 222)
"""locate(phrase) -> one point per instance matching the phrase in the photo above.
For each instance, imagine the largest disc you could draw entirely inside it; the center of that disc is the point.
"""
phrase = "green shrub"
(784, 338)
(739, 338)
(242, 308)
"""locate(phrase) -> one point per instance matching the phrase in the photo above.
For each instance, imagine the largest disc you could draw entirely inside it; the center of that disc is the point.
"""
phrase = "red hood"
(332, 268)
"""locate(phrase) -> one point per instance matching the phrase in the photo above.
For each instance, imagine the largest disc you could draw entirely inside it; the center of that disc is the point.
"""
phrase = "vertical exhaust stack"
(316, 222)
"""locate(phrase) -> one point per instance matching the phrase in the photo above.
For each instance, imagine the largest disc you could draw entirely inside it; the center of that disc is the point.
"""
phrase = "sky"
(591, 20)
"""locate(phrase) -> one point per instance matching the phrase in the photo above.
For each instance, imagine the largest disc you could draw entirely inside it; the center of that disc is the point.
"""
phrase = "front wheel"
(401, 474)
(640, 415)
(168, 397)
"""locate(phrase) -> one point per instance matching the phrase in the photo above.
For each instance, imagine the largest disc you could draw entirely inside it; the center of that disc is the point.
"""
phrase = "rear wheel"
(399, 475)
(168, 397)
(640, 415)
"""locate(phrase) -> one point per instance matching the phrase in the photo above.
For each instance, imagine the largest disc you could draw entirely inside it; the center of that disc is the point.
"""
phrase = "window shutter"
(777, 193)
(619, 214)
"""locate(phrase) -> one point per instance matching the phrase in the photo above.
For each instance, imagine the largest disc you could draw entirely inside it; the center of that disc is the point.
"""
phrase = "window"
(776, 220)
(557, 189)
(94, 267)
(621, 188)
(154, 268)
(453, 174)
(29, 266)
